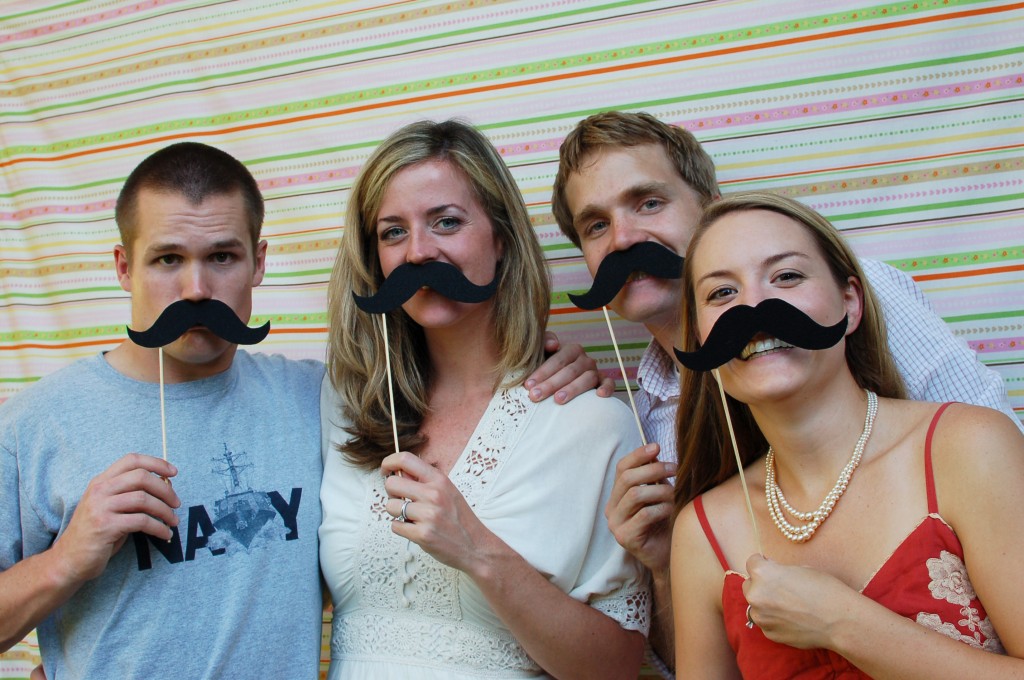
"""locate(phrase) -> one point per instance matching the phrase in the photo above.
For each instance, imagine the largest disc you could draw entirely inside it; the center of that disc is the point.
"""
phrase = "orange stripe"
(973, 272)
(530, 81)
(84, 343)
(315, 329)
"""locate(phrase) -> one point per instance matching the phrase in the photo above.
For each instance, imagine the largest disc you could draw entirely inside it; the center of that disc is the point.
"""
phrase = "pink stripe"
(79, 22)
(996, 345)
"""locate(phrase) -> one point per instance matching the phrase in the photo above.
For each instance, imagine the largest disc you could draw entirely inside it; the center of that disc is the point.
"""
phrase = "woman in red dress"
(889, 532)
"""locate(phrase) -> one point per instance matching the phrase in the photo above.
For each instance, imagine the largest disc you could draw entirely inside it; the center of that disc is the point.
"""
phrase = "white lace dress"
(538, 475)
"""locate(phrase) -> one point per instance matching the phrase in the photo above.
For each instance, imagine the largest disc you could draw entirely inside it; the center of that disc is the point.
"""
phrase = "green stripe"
(289, 319)
(63, 292)
(958, 260)
(61, 335)
(931, 206)
(987, 316)
(622, 346)
(44, 10)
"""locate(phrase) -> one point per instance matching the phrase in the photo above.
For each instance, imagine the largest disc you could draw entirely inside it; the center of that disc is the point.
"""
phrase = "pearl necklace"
(812, 520)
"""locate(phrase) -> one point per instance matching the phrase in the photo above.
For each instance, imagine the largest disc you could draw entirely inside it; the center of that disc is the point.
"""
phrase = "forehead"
(167, 217)
(427, 185)
(752, 235)
(624, 166)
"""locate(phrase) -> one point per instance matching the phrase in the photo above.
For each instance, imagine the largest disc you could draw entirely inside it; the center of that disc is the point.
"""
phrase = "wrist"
(58, 568)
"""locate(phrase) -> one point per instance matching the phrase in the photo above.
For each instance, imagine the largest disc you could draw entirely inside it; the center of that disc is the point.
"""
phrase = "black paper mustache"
(408, 278)
(182, 315)
(738, 326)
(647, 256)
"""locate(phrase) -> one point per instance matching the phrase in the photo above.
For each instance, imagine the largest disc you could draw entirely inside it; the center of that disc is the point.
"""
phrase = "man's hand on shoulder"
(566, 374)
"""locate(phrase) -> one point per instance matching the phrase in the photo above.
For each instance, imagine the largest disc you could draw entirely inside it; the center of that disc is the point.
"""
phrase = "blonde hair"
(355, 352)
(625, 129)
(705, 452)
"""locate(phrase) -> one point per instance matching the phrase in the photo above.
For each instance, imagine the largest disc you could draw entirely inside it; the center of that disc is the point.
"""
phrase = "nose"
(624, 232)
(751, 295)
(422, 247)
(195, 285)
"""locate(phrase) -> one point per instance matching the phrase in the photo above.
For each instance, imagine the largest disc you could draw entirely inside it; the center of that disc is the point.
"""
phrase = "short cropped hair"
(195, 171)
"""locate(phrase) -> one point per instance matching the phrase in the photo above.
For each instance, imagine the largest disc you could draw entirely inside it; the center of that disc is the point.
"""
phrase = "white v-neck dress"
(538, 476)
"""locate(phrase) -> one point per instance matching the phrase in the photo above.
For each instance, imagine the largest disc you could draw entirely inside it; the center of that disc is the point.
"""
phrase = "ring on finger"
(750, 622)
(402, 517)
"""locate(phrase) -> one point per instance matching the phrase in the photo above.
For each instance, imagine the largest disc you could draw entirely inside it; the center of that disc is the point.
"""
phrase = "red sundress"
(924, 580)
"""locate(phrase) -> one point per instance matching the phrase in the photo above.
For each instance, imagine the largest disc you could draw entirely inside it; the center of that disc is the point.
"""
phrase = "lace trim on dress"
(631, 609)
(496, 435)
(430, 642)
(950, 582)
(414, 599)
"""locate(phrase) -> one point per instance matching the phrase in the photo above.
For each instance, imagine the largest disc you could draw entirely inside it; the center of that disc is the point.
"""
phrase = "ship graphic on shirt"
(241, 520)
(242, 512)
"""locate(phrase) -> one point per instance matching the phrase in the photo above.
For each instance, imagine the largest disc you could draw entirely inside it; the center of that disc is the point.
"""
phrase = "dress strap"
(698, 507)
(929, 477)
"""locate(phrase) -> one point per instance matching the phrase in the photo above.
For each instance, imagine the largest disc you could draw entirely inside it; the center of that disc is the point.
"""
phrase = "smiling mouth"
(757, 348)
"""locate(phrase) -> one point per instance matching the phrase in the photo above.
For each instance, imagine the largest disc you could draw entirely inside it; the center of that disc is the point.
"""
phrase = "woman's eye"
(391, 233)
(448, 223)
(785, 277)
(721, 292)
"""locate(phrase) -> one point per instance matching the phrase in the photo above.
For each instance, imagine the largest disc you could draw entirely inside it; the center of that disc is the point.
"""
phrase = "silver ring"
(402, 516)
(750, 622)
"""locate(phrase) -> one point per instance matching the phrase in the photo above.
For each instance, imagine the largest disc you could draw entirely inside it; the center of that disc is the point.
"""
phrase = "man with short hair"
(205, 565)
(624, 178)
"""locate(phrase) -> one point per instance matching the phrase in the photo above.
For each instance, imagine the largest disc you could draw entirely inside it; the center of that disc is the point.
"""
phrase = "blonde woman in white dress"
(487, 554)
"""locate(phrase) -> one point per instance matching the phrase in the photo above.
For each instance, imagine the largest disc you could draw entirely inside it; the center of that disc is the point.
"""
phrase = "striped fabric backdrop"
(900, 121)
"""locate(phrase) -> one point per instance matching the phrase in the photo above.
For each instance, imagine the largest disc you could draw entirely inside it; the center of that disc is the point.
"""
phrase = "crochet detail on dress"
(495, 437)
(443, 644)
(632, 609)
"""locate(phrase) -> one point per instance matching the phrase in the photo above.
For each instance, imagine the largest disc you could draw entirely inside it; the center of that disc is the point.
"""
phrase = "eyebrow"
(632, 193)
(436, 210)
(171, 246)
(766, 262)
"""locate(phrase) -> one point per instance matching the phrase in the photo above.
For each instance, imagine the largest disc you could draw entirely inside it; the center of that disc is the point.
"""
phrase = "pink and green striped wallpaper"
(903, 122)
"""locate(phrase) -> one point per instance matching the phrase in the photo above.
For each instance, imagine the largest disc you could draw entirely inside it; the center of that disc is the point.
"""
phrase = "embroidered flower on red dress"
(949, 579)
(950, 582)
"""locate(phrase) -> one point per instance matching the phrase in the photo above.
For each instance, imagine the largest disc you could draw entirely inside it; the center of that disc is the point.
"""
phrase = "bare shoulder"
(727, 517)
(692, 554)
(976, 452)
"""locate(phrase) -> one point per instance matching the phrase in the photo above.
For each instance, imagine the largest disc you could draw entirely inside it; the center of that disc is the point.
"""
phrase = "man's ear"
(853, 299)
(122, 268)
(260, 256)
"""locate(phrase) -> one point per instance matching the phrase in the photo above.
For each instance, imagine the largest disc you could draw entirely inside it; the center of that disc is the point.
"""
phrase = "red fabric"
(923, 580)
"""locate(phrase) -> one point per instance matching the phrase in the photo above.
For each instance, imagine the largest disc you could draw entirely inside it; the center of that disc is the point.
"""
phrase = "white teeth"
(762, 347)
